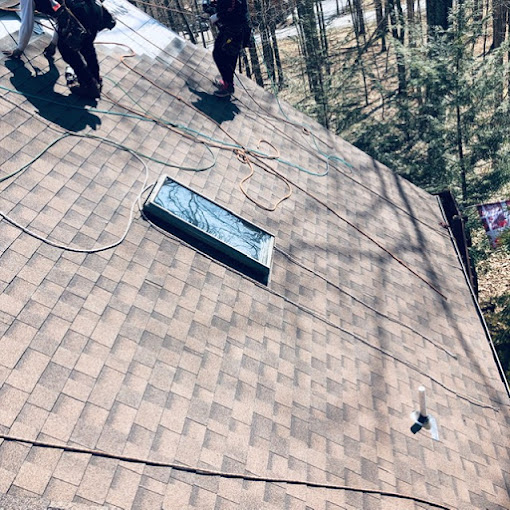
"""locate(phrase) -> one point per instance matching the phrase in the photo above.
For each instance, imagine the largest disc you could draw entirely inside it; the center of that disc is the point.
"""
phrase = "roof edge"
(455, 223)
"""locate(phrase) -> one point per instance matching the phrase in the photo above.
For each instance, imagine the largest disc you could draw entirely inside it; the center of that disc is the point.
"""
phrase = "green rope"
(308, 128)
(34, 159)
(185, 129)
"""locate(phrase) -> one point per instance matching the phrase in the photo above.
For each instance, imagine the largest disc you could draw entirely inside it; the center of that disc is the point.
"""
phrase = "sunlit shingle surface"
(153, 351)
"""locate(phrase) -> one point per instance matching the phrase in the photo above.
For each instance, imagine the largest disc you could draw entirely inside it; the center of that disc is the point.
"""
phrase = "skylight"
(211, 228)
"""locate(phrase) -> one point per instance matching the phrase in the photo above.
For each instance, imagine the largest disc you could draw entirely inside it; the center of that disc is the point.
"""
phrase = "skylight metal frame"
(205, 212)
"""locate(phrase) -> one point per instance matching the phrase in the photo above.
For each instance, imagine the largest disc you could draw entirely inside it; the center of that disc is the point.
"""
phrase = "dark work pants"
(225, 54)
(83, 61)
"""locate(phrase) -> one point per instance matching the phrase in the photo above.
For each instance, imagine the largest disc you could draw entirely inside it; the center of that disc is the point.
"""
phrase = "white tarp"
(134, 28)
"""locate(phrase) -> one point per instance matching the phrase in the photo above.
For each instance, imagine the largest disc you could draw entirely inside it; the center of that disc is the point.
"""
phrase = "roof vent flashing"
(422, 419)
(211, 228)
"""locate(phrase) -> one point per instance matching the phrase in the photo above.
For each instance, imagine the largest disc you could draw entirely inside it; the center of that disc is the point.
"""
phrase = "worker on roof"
(77, 27)
(234, 33)
(25, 32)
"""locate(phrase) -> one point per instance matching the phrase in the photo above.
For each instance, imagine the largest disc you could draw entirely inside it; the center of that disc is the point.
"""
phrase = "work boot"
(91, 90)
(71, 78)
(50, 50)
(224, 90)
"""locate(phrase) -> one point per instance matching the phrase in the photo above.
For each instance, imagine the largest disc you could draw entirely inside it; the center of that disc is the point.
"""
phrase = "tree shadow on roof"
(67, 111)
(218, 109)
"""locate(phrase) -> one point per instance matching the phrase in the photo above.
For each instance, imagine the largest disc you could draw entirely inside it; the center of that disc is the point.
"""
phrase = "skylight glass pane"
(214, 220)
(208, 222)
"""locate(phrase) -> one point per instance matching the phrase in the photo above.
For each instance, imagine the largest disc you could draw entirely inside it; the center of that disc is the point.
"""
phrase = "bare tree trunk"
(263, 23)
(410, 22)
(186, 24)
(198, 23)
(477, 10)
(419, 18)
(499, 22)
(410, 11)
(278, 62)
(269, 18)
(460, 150)
(244, 63)
(508, 56)
(323, 36)
(308, 22)
(358, 17)
(398, 33)
(301, 46)
(267, 52)
(460, 137)
(255, 63)
(382, 24)
(437, 13)
(359, 58)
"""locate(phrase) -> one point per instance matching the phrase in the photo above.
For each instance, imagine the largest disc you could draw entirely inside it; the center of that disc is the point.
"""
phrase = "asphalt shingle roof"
(154, 351)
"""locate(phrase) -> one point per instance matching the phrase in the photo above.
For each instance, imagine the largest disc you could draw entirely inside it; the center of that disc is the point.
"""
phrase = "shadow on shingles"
(219, 109)
(67, 111)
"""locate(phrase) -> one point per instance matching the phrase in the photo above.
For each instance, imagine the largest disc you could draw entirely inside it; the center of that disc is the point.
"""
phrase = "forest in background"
(421, 87)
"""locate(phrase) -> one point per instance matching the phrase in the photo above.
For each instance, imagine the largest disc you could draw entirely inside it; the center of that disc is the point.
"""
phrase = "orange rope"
(265, 167)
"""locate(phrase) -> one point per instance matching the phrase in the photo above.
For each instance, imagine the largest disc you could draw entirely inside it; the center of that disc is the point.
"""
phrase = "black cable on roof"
(467, 398)
(262, 164)
(221, 474)
(162, 50)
